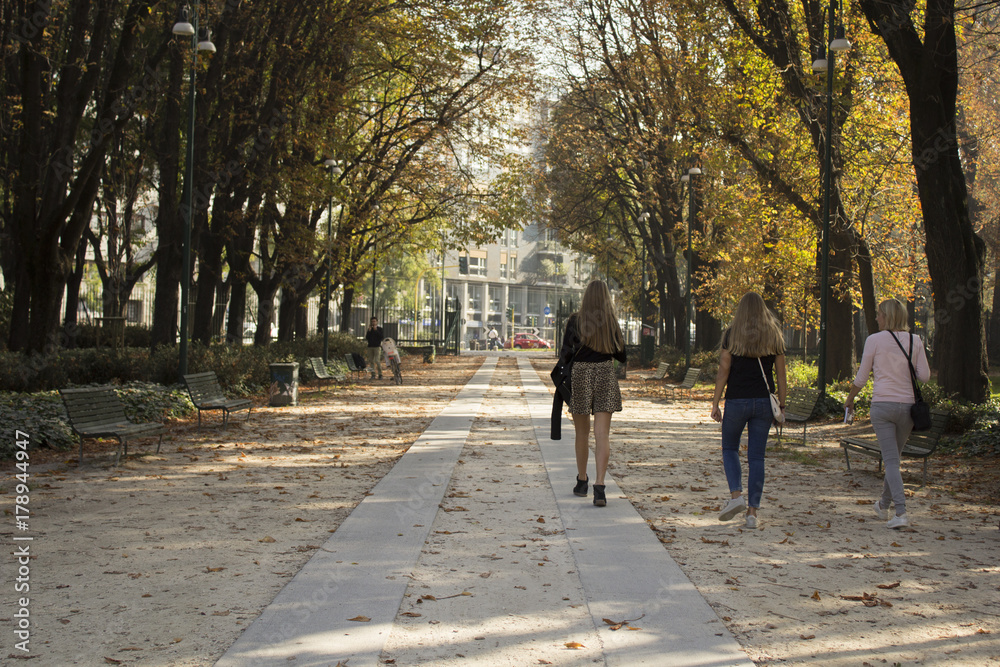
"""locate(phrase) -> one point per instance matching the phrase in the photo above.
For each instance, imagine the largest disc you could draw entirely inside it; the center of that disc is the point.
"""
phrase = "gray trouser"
(375, 360)
(892, 424)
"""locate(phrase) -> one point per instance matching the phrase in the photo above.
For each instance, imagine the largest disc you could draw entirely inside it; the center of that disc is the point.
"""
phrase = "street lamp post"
(334, 172)
(374, 265)
(187, 26)
(827, 63)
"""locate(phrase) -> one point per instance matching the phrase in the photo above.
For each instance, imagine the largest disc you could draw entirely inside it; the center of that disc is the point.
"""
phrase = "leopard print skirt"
(595, 388)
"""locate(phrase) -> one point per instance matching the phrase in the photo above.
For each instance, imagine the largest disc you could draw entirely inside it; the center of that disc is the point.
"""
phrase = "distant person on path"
(885, 357)
(374, 337)
(493, 338)
(752, 347)
(592, 339)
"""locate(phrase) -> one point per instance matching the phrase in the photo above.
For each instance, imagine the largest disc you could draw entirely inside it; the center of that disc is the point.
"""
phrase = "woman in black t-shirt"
(592, 339)
(752, 347)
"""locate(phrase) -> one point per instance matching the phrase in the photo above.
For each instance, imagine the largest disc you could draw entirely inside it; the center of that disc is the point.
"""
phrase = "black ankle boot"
(581, 487)
(599, 498)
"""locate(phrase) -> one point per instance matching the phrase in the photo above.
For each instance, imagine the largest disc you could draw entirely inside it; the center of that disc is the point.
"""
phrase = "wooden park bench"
(206, 394)
(353, 367)
(323, 374)
(800, 405)
(920, 444)
(690, 377)
(97, 412)
(659, 374)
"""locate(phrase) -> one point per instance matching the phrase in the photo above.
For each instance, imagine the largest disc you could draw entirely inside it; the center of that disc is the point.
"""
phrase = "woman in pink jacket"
(885, 357)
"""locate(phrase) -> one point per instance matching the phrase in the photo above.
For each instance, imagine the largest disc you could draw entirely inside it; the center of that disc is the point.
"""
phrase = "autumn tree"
(70, 84)
(927, 57)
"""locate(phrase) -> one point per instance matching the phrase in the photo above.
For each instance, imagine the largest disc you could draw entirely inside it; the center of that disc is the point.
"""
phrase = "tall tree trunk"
(209, 282)
(994, 323)
(928, 62)
(72, 310)
(169, 225)
(237, 311)
(345, 310)
(265, 315)
(221, 307)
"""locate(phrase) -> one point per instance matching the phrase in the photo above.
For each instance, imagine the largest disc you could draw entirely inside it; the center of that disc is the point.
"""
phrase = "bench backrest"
(928, 440)
(203, 387)
(802, 401)
(319, 368)
(350, 363)
(691, 377)
(93, 406)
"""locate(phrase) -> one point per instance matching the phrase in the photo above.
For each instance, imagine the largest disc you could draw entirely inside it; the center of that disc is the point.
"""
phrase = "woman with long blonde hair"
(752, 347)
(593, 338)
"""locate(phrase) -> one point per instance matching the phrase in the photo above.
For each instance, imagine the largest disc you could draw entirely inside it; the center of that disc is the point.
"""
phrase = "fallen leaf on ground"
(361, 619)
(576, 645)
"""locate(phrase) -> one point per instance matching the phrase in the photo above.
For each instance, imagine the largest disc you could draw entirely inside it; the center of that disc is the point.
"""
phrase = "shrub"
(43, 416)
(241, 369)
(40, 415)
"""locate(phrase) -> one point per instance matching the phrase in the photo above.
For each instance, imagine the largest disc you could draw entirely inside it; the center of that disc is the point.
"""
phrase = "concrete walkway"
(473, 550)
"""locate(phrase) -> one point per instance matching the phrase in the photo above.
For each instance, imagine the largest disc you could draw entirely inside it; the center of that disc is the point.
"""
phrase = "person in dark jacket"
(752, 347)
(593, 338)
(374, 336)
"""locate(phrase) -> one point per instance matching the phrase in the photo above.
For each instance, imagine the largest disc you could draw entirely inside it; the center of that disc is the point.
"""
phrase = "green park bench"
(97, 412)
(206, 394)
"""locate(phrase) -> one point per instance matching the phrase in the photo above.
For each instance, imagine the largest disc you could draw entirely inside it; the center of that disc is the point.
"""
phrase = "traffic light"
(463, 265)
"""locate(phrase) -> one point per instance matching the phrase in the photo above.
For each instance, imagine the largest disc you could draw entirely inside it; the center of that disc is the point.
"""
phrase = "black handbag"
(920, 412)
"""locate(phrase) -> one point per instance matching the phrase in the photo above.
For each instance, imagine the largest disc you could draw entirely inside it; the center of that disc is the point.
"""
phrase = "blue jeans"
(754, 414)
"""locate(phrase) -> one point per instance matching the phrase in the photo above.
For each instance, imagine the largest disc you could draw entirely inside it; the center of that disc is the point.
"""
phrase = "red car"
(526, 341)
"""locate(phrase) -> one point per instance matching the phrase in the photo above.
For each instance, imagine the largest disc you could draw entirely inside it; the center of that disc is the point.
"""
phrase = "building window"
(534, 302)
(477, 266)
(474, 310)
(496, 299)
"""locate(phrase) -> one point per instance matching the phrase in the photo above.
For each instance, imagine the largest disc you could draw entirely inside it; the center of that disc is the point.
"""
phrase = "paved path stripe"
(625, 571)
(363, 568)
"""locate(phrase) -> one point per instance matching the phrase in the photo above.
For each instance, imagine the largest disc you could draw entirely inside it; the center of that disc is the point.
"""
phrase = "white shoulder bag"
(775, 404)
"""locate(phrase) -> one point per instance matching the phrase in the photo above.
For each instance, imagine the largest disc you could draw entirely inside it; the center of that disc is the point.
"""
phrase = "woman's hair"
(895, 315)
(754, 331)
(597, 322)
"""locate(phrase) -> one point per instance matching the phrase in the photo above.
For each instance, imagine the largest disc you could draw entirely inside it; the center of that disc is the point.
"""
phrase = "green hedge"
(241, 369)
(147, 381)
(42, 416)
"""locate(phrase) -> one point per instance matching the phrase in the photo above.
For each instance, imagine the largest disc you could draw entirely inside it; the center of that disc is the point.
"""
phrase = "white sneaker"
(879, 512)
(898, 521)
(751, 521)
(732, 508)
